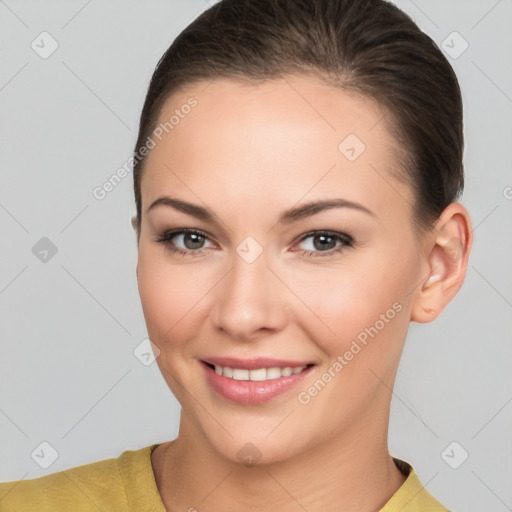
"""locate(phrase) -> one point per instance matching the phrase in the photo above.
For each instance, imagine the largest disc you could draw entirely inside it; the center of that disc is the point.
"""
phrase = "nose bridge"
(249, 299)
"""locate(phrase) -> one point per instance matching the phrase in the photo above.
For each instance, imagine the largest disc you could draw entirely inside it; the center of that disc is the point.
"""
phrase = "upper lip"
(254, 363)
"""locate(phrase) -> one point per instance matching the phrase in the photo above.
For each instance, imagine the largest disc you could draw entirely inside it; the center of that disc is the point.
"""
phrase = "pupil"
(323, 238)
(196, 240)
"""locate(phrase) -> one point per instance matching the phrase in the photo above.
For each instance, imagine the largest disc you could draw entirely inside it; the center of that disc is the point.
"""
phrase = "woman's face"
(264, 282)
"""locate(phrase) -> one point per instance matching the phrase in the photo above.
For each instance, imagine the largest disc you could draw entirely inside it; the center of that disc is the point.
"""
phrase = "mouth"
(257, 374)
(256, 385)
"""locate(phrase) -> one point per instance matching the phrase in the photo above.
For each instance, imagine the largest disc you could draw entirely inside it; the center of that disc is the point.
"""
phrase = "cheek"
(170, 295)
(364, 302)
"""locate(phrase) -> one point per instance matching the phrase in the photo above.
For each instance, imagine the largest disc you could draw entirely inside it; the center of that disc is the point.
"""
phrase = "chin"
(254, 450)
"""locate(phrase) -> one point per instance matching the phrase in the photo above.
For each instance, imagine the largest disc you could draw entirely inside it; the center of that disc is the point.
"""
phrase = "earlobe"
(447, 260)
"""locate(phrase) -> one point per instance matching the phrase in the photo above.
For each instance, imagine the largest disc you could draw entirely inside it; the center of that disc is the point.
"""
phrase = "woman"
(296, 175)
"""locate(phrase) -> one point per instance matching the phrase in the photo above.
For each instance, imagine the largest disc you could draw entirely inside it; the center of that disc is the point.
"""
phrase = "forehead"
(294, 135)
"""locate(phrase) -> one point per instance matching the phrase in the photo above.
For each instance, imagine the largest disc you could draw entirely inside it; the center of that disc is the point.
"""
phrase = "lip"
(247, 392)
(254, 363)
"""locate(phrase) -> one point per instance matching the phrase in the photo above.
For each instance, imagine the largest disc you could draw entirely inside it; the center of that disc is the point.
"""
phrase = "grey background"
(68, 374)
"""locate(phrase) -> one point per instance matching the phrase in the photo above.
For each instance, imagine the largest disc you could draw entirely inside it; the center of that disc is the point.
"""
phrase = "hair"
(367, 46)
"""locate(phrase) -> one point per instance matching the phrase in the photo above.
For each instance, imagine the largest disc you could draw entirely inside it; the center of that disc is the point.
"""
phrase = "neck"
(353, 472)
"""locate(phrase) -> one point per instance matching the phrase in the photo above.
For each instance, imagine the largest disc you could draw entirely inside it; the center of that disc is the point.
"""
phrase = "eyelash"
(346, 242)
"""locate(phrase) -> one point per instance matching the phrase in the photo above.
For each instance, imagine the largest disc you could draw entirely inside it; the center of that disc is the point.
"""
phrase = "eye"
(320, 244)
(325, 243)
(192, 239)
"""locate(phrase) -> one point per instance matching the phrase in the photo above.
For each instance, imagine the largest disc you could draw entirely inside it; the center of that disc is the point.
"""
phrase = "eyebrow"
(287, 217)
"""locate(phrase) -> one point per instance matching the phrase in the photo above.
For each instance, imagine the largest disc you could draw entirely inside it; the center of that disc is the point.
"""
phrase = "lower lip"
(251, 392)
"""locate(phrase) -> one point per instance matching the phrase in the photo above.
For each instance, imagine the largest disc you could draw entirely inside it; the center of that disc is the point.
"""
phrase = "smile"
(253, 386)
(259, 374)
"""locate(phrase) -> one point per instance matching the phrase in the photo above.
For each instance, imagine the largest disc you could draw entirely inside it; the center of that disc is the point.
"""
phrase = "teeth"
(259, 374)
(273, 373)
(240, 374)
(286, 371)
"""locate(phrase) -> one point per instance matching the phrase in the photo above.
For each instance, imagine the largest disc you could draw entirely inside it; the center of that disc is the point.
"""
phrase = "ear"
(135, 223)
(444, 270)
(136, 227)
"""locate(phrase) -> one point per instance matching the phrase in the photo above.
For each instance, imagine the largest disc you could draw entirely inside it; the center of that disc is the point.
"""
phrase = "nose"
(250, 301)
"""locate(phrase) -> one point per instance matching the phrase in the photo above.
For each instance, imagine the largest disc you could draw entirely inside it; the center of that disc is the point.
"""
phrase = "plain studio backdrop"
(75, 386)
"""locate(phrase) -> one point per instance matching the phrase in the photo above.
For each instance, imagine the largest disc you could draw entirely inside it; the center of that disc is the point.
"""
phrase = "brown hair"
(368, 46)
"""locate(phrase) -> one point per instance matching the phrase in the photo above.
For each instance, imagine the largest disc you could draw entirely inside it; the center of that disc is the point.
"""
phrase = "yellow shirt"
(127, 484)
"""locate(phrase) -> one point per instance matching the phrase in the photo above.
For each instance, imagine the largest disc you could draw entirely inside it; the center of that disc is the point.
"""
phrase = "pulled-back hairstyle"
(366, 46)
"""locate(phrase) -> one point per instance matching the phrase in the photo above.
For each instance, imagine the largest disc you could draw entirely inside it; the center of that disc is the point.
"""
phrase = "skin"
(248, 152)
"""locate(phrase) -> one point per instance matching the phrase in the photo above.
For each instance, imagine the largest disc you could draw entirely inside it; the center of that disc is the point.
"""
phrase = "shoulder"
(412, 496)
(96, 486)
